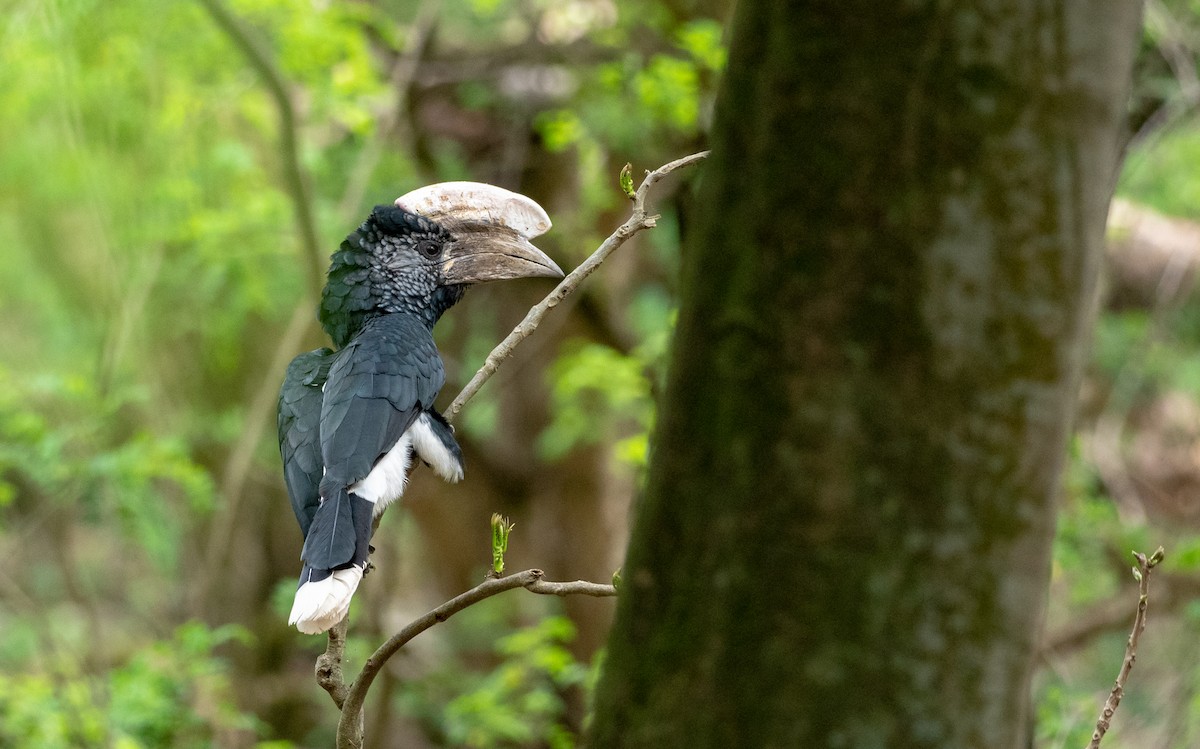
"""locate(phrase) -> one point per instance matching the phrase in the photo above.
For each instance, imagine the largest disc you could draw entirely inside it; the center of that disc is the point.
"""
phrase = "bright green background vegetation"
(150, 264)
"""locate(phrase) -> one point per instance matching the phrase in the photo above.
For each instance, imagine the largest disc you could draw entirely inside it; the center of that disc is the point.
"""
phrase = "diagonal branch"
(237, 467)
(637, 221)
(240, 459)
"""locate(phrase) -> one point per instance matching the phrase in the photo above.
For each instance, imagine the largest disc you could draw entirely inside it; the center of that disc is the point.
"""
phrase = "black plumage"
(341, 413)
(388, 375)
(351, 420)
(300, 431)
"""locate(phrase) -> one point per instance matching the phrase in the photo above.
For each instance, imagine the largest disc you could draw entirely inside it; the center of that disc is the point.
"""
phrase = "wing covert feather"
(380, 382)
(299, 422)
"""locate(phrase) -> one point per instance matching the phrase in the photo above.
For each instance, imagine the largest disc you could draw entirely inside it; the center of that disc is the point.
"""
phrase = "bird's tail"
(335, 556)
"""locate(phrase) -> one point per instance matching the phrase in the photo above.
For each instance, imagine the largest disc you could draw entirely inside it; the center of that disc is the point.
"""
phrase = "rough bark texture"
(845, 534)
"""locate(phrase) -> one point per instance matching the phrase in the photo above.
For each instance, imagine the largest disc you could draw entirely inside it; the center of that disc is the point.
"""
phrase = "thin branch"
(349, 731)
(637, 221)
(289, 149)
(575, 588)
(1142, 573)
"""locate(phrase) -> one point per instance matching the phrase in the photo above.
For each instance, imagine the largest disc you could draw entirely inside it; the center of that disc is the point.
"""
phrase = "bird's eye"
(429, 248)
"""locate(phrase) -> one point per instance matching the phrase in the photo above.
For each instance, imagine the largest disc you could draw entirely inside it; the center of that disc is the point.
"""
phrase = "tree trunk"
(844, 540)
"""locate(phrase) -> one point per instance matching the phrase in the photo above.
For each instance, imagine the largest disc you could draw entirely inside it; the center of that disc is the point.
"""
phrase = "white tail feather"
(322, 604)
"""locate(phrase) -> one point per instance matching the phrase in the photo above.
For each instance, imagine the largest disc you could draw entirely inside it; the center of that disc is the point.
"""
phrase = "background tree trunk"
(845, 535)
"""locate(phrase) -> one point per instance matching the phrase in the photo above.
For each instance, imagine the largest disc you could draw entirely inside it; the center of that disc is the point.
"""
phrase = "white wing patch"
(386, 481)
(431, 450)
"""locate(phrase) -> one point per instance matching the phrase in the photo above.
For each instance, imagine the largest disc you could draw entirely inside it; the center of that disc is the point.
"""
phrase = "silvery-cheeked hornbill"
(351, 419)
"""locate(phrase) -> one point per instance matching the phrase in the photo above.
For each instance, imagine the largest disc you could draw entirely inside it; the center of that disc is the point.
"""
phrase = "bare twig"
(1142, 573)
(637, 221)
(576, 588)
(349, 731)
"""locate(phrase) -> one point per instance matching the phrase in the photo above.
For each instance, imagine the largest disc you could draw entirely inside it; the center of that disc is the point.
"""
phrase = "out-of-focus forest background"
(157, 273)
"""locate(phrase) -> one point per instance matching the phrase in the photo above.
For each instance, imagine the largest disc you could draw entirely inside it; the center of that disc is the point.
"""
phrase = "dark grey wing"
(378, 385)
(300, 431)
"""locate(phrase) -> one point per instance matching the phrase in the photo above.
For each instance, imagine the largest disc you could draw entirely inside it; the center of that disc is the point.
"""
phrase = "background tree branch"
(314, 257)
(295, 181)
(1173, 591)
(313, 260)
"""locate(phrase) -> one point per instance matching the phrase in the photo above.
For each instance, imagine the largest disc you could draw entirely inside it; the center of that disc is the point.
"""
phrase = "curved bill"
(484, 252)
(491, 227)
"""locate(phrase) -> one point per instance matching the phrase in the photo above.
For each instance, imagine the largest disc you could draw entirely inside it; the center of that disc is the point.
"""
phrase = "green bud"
(627, 180)
(501, 527)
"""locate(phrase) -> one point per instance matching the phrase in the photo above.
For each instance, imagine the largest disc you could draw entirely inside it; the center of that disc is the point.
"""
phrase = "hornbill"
(352, 418)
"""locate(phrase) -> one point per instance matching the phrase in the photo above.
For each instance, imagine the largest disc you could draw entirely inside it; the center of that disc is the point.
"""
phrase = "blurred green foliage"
(602, 396)
(519, 702)
(1163, 173)
(61, 440)
(151, 265)
(174, 692)
(591, 383)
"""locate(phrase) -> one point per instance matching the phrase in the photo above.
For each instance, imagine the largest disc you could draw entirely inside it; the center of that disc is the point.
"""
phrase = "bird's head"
(419, 254)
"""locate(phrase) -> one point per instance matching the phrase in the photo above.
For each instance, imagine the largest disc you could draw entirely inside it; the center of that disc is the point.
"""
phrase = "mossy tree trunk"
(844, 539)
